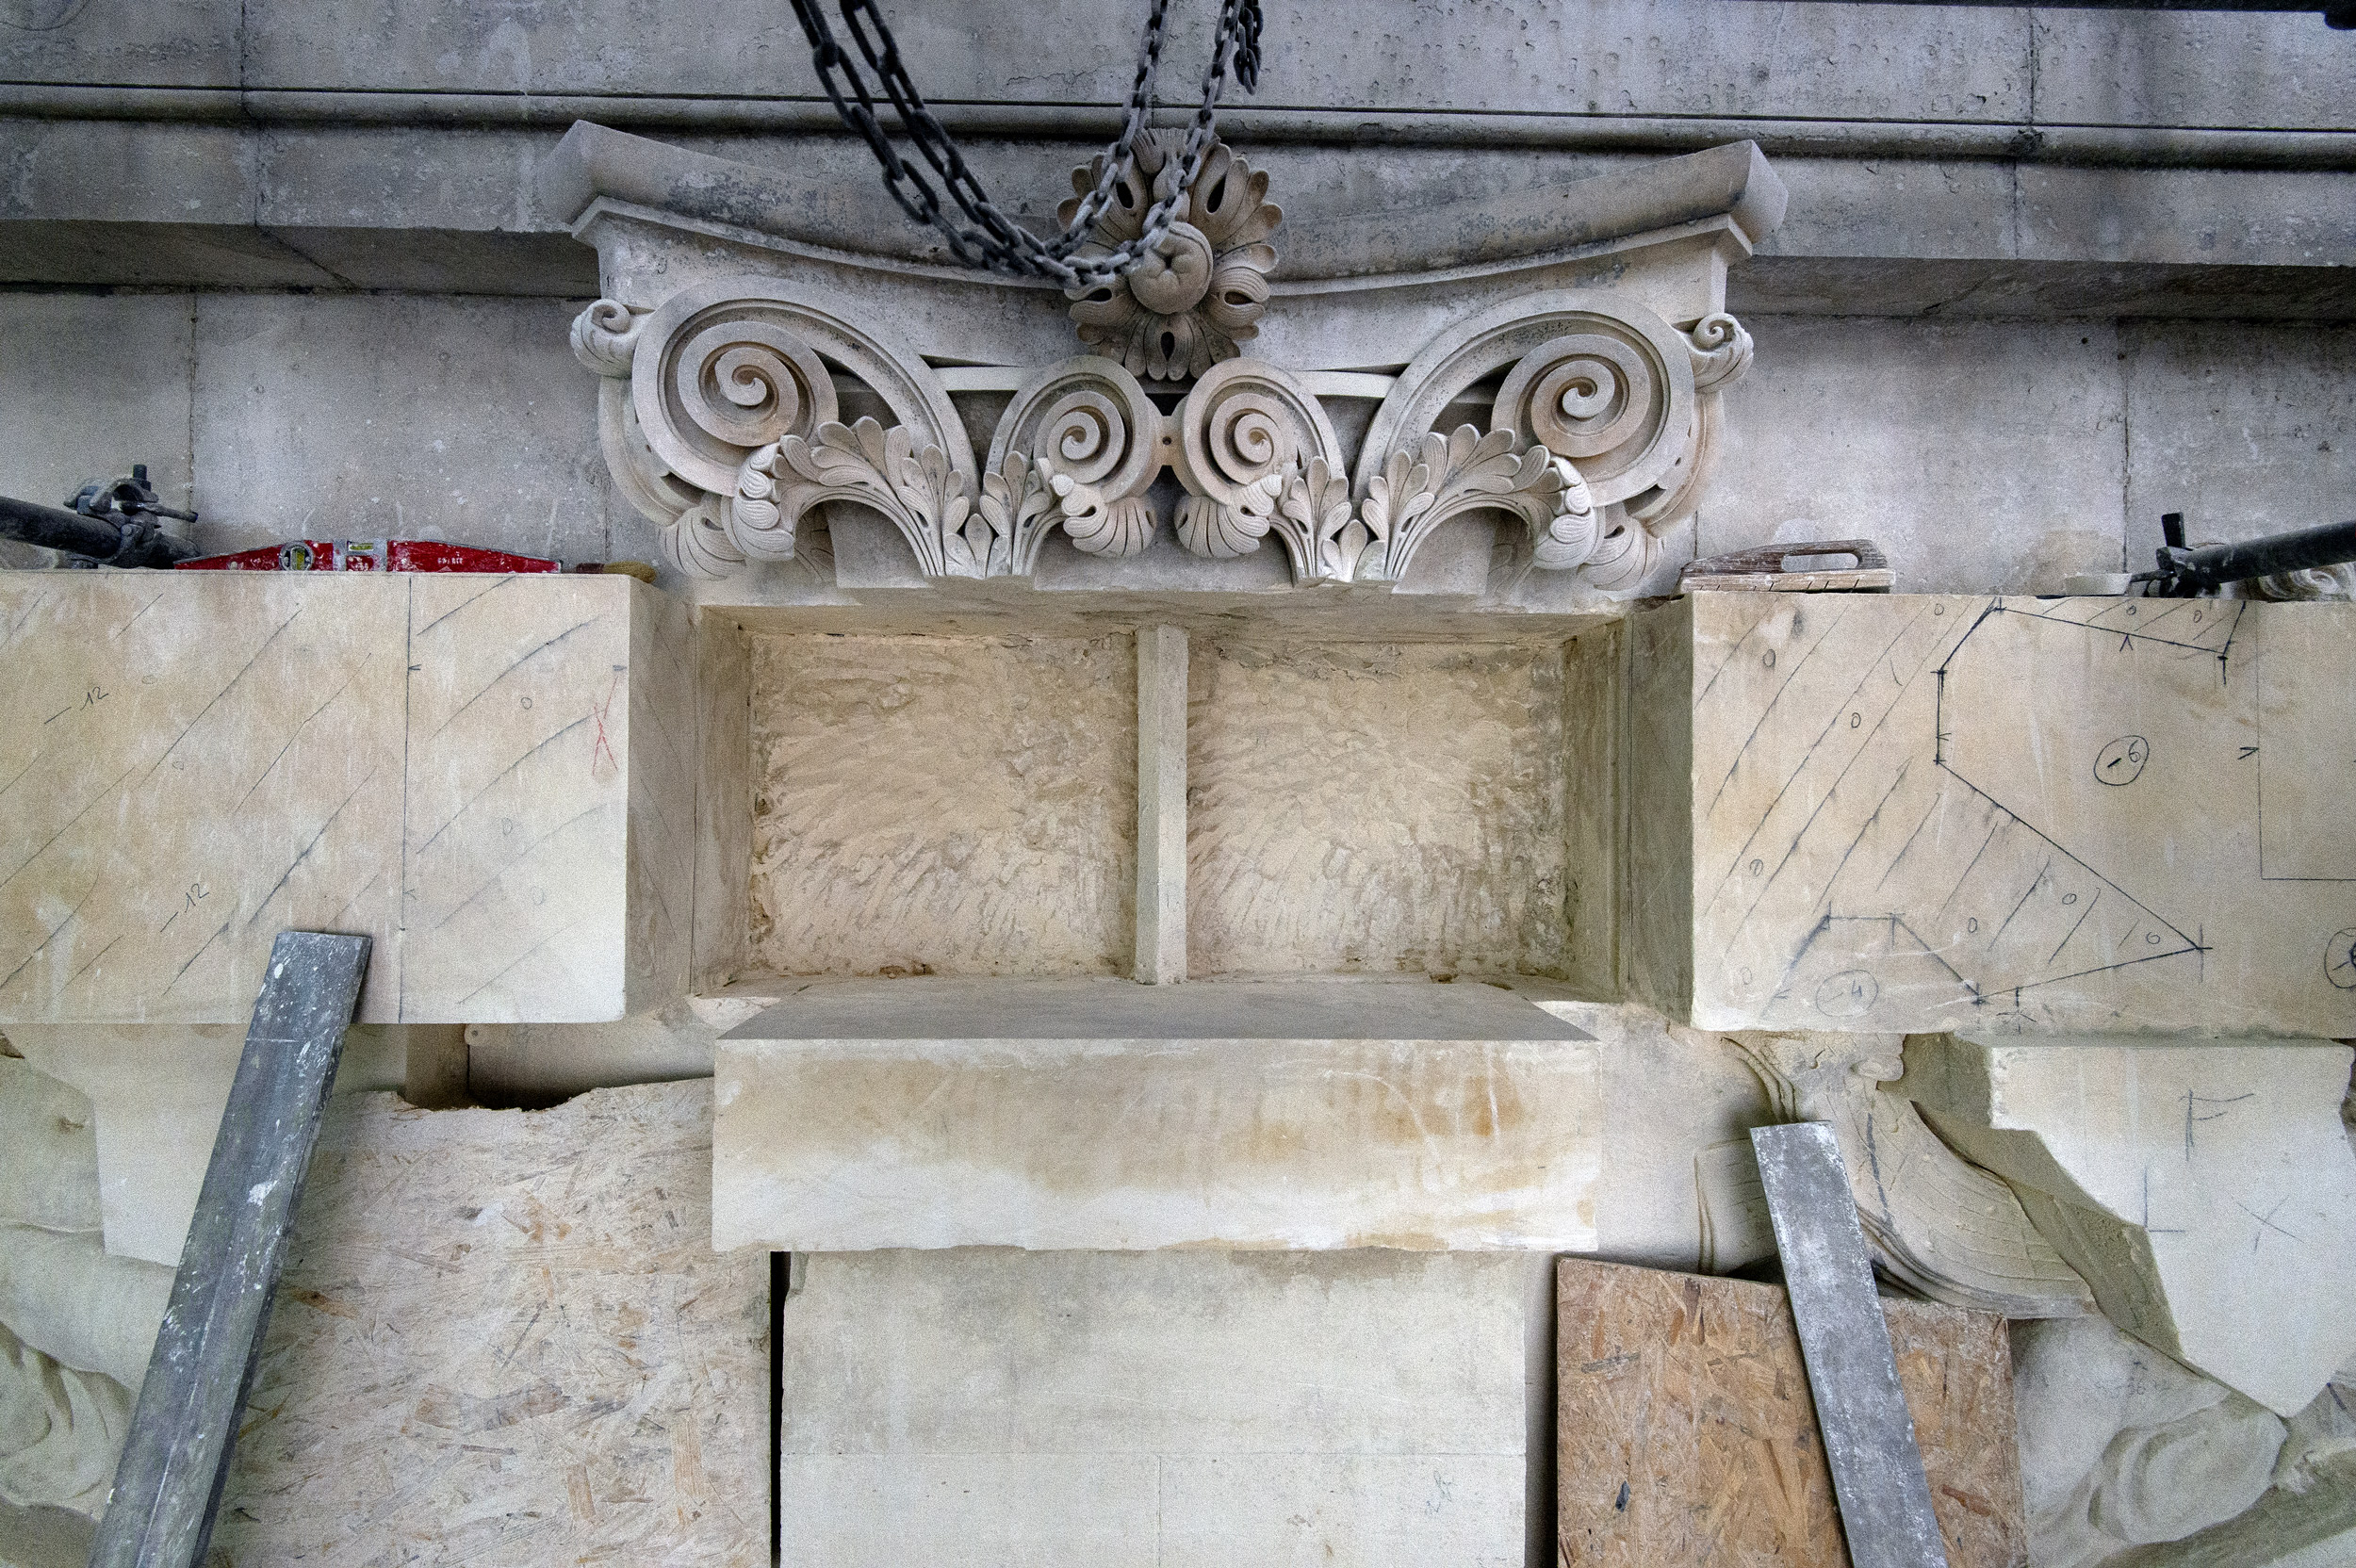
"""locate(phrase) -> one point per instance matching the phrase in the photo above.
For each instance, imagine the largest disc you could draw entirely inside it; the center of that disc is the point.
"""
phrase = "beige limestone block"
(157, 1093)
(1079, 1114)
(943, 805)
(2206, 1192)
(192, 762)
(48, 1150)
(1376, 807)
(1099, 1408)
(1903, 812)
(503, 1336)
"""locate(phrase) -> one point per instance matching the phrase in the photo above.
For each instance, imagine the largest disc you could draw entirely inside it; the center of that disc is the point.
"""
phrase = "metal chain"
(999, 243)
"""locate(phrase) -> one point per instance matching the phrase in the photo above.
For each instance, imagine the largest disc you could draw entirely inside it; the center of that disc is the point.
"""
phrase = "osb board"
(1686, 1434)
(503, 1336)
(943, 805)
(1371, 806)
(191, 762)
(1916, 812)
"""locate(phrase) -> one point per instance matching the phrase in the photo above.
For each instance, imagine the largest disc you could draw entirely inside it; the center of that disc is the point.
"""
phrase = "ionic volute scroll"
(1257, 455)
(1076, 449)
(718, 418)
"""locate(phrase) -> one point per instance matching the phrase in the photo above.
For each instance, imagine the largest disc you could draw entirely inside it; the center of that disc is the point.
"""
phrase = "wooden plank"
(1687, 1435)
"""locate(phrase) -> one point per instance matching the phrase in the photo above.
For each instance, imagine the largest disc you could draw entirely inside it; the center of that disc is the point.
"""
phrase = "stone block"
(157, 1093)
(479, 430)
(1354, 1407)
(1901, 411)
(1686, 1433)
(988, 1511)
(1244, 1510)
(1096, 1114)
(493, 776)
(2190, 216)
(504, 1334)
(181, 174)
(2242, 428)
(2207, 1192)
(1907, 812)
(48, 1150)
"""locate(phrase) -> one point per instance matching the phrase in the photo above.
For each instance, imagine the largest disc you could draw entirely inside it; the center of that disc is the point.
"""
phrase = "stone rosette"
(1177, 313)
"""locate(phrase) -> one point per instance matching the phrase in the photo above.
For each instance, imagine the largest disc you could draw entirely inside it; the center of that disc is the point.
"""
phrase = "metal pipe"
(52, 528)
(2216, 565)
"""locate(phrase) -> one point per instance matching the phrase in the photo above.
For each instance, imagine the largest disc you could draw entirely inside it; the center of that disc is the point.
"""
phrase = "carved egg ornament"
(1176, 314)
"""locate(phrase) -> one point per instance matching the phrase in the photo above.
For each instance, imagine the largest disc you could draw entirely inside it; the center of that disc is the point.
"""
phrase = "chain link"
(999, 243)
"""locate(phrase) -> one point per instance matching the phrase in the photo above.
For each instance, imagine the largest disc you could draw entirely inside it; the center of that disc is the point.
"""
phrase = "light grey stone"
(539, 1064)
(127, 172)
(2121, 1445)
(2190, 68)
(972, 1510)
(1979, 456)
(1364, 1511)
(48, 1151)
(193, 43)
(2190, 216)
(405, 417)
(2245, 429)
(69, 1299)
(1166, 1407)
(90, 384)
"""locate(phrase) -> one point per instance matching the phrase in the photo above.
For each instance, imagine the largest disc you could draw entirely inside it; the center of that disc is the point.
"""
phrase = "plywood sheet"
(502, 1336)
(1685, 1433)
(191, 762)
(1917, 813)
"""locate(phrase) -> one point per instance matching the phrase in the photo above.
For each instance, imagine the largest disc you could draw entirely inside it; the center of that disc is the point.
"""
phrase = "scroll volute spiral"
(727, 380)
(1616, 395)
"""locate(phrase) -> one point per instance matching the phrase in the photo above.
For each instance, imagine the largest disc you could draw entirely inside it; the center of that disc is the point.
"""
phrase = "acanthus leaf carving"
(918, 488)
(1440, 476)
(1076, 448)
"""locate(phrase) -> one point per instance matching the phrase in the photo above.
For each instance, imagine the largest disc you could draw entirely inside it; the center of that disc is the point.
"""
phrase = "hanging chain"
(999, 243)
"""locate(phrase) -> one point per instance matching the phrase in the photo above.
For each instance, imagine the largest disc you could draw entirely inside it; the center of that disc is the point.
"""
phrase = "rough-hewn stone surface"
(943, 805)
(1376, 807)
(505, 1335)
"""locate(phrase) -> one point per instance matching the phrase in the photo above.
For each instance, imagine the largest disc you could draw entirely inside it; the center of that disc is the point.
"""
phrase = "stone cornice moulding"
(1587, 318)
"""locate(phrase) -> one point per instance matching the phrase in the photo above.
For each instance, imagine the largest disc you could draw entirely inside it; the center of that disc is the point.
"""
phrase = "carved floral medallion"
(1175, 315)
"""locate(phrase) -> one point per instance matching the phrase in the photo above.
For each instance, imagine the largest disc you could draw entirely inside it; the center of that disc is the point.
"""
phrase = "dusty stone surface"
(445, 763)
(2121, 1445)
(1376, 807)
(948, 805)
(2038, 468)
(1385, 1125)
(48, 1150)
(1359, 1408)
(505, 1332)
(2205, 1191)
(155, 1094)
(1913, 813)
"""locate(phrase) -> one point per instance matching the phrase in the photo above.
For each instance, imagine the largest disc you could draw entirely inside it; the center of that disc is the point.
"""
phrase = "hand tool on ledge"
(114, 523)
(1767, 569)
